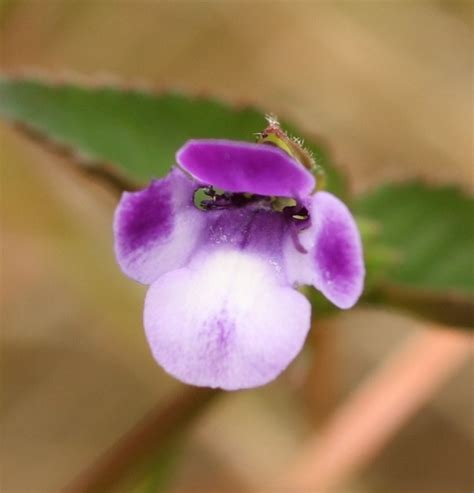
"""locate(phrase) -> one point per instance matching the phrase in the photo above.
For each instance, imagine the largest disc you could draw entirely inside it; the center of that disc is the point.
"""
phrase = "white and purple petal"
(249, 229)
(225, 321)
(156, 229)
(245, 167)
(334, 263)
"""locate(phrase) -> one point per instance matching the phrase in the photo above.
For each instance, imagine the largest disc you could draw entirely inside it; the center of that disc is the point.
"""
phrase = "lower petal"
(225, 321)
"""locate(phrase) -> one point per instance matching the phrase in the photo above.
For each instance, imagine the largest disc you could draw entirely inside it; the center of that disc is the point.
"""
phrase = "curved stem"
(153, 432)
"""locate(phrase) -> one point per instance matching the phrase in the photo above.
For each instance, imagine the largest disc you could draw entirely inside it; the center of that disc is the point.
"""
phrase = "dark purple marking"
(219, 333)
(336, 255)
(147, 216)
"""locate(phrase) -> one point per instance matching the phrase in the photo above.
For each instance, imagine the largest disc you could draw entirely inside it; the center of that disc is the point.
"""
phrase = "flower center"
(211, 199)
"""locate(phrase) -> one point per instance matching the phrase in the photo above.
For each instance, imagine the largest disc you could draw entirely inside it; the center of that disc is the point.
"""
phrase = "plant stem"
(152, 433)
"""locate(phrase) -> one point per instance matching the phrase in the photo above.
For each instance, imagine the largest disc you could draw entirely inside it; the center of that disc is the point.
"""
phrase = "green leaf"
(137, 132)
(430, 232)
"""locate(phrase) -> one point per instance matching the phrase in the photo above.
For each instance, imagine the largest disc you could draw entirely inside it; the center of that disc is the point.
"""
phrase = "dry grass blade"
(373, 414)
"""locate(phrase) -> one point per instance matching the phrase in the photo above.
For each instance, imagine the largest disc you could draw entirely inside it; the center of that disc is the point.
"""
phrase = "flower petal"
(245, 167)
(225, 321)
(335, 250)
(250, 230)
(156, 229)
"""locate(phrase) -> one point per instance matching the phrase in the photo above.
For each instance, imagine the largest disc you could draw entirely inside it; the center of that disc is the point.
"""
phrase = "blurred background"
(387, 85)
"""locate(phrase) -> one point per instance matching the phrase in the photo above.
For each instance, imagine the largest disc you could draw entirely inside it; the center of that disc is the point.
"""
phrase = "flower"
(222, 309)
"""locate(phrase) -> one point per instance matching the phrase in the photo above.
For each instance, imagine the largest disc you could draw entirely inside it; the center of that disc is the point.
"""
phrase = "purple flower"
(222, 309)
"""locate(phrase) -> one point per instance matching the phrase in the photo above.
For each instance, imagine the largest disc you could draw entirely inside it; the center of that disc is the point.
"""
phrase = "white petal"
(225, 321)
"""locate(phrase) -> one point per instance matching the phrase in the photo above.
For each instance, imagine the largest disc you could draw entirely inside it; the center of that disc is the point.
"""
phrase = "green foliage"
(156, 474)
(137, 132)
(432, 231)
(428, 236)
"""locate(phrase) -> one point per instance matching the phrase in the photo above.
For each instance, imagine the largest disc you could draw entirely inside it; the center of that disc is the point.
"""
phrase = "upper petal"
(156, 229)
(245, 167)
(225, 321)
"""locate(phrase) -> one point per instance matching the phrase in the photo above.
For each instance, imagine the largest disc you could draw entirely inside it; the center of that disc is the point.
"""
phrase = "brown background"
(386, 84)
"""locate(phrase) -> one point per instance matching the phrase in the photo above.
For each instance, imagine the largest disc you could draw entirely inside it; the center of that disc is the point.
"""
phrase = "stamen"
(297, 212)
(294, 230)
